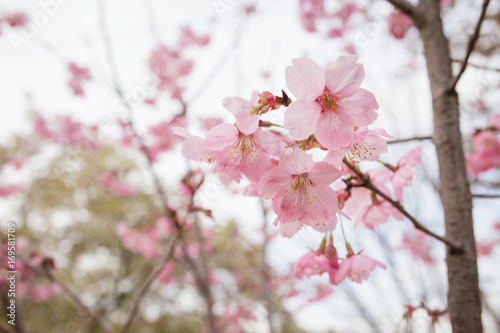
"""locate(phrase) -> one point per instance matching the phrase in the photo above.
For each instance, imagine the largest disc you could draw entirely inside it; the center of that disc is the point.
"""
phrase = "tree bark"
(464, 303)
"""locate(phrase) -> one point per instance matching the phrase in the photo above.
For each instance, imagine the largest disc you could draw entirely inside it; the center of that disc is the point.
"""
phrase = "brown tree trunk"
(464, 303)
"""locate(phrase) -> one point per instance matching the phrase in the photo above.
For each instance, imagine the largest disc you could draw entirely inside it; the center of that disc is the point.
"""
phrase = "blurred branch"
(470, 47)
(202, 281)
(404, 6)
(417, 138)
(74, 297)
(369, 185)
(486, 196)
(268, 303)
(149, 280)
(479, 66)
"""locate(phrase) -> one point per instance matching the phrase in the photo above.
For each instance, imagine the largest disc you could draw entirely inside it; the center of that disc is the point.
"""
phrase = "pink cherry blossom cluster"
(170, 65)
(331, 113)
(313, 11)
(485, 153)
(14, 20)
(67, 131)
(78, 76)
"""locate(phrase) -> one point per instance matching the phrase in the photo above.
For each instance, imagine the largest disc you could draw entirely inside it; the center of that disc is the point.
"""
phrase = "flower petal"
(236, 104)
(247, 123)
(305, 79)
(361, 106)
(344, 76)
(272, 182)
(221, 136)
(323, 174)
(333, 133)
(295, 161)
(301, 117)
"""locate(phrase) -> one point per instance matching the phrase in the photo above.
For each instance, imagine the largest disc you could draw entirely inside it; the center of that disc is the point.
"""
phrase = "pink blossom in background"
(486, 248)
(120, 189)
(347, 10)
(377, 213)
(323, 290)
(418, 244)
(242, 149)
(330, 103)
(446, 3)
(67, 131)
(486, 153)
(399, 24)
(166, 274)
(367, 145)
(188, 38)
(163, 137)
(144, 243)
(39, 292)
(8, 190)
(299, 188)
(169, 67)
(356, 268)
(78, 76)
(16, 20)
(310, 11)
(403, 173)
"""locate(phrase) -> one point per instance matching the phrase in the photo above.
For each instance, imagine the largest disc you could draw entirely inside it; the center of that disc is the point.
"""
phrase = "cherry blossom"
(300, 188)
(367, 145)
(399, 24)
(356, 267)
(330, 102)
(403, 172)
(169, 67)
(242, 148)
(486, 153)
(324, 260)
(78, 76)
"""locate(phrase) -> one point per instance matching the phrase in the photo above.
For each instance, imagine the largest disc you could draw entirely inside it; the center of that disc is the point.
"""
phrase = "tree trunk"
(463, 294)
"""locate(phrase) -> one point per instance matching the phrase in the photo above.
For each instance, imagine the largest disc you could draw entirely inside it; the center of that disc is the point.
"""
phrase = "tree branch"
(470, 47)
(495, 69)
(149, 280)
(417, 138)
(369, 185)
(404, 6)
(74, 297)
(486, 196)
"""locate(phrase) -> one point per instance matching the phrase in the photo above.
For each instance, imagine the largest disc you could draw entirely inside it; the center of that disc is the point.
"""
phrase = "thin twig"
(486, 196)
(75, 298)
(202, 283)
(149, 280)
(470, 47)
(369, 185)
(417, 138)
(470, 64)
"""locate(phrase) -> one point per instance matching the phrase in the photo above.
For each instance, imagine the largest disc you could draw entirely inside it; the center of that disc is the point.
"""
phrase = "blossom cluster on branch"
(331, 113)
